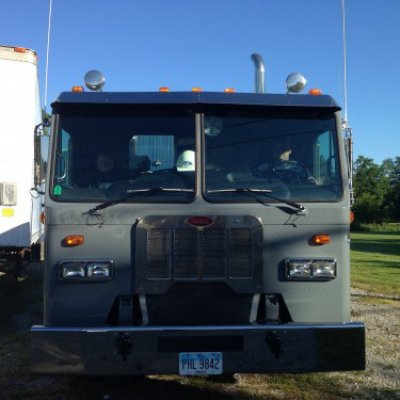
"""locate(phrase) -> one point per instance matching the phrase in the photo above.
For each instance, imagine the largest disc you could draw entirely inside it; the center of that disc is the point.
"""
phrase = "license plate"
(200, 363)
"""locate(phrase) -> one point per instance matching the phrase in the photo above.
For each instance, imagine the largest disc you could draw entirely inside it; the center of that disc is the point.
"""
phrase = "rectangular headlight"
(310, 269)
(299, 269)
(324, 269)
(98, 270)
(86, 271)
(73, 270)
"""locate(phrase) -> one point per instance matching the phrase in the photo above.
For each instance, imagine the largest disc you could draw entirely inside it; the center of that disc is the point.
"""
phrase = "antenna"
(47, 55)
(348, 132)
(344, 61)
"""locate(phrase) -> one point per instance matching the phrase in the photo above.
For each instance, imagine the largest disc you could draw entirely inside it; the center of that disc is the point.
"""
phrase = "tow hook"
(124, 345)
(274, 344)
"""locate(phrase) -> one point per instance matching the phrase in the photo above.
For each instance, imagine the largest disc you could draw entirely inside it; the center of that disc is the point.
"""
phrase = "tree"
(371, 186)
(392, 198)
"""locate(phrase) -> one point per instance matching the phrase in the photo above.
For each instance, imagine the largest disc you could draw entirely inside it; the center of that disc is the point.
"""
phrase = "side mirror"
(295, 82)
(94, 80)
(38, 174)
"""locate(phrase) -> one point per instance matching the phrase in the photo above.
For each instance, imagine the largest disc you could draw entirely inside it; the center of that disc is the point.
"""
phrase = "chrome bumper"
(126, 350)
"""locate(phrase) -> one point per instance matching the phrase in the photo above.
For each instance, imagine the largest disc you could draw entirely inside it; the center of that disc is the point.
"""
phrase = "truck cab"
(196, 233)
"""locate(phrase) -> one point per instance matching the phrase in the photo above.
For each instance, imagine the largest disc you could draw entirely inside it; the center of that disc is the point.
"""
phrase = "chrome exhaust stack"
(259, 73)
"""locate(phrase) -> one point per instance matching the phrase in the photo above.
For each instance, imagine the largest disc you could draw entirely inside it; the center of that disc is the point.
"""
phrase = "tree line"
(376, 191)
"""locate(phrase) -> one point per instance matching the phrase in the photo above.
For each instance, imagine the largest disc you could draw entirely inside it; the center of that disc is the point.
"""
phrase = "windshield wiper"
(265, 192)
(132, 192)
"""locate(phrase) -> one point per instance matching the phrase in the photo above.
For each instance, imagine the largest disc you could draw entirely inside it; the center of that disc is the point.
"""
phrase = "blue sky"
(141, 45)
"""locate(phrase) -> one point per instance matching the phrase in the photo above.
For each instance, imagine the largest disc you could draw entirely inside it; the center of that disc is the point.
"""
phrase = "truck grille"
(192, 254)
(169, 249)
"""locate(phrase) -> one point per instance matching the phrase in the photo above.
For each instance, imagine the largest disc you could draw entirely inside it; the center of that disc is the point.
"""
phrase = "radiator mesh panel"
(213, 252)
(189, 253)
(159, 261)
(186, 254)
(240, 253)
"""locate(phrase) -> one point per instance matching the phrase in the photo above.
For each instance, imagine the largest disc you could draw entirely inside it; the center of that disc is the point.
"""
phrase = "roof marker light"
(197, 89)
(230, 90)
(315, 92)
(20, 49)
(77, 89)
(164, 89)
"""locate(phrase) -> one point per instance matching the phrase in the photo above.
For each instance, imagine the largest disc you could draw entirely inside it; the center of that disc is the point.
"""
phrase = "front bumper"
(130, 350)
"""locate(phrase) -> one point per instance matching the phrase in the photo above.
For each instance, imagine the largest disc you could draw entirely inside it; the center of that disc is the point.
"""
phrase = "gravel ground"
(380, 313)
(381, 316)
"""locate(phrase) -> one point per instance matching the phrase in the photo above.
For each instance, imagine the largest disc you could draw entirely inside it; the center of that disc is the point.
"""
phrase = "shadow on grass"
(136, 388)
(383, 246)
(254, 387)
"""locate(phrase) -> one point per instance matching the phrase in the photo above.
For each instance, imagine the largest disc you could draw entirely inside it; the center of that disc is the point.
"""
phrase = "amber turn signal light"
(73, 240)
(321, 238)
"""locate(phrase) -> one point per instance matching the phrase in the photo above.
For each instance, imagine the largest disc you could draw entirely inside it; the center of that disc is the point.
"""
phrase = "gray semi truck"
(197, 233)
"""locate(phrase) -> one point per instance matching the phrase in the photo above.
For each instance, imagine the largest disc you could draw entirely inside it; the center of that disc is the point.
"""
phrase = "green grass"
(375, 262)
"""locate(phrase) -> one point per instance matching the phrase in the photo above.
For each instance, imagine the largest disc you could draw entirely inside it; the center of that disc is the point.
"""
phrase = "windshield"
(105, 157)
(149, 156)
(291, 156)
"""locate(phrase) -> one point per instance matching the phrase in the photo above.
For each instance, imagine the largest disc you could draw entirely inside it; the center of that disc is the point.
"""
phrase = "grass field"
(375, 262)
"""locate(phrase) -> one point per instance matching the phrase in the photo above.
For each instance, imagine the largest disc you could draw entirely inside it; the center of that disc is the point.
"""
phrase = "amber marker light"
(197, 89)
(321, 238)
(315, 92)
(77, 89)
(73, 240)
(20, 49)
(164, 89)
(230, 90)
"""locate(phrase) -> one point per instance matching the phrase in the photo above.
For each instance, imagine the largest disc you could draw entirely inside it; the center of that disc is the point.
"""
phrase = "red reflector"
(200, 221)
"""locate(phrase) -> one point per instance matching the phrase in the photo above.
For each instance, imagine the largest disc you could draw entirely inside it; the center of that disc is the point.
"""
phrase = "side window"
(326, 167)
(155, 152)
(62, 175)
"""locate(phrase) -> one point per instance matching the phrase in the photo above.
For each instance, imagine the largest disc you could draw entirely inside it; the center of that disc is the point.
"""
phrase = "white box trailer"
(20, 227)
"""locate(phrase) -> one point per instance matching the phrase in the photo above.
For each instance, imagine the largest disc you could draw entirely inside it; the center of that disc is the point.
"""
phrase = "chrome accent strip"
(143, 309)
(254, 308)
(264, 327)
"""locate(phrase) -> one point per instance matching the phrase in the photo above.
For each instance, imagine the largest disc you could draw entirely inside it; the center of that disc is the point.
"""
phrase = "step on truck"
(197, 233)
(20, 158)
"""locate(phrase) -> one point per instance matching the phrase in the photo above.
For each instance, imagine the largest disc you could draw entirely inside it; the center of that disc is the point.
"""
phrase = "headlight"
(310, 269)
(98, 270)
(73, 270)
(86, 271)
